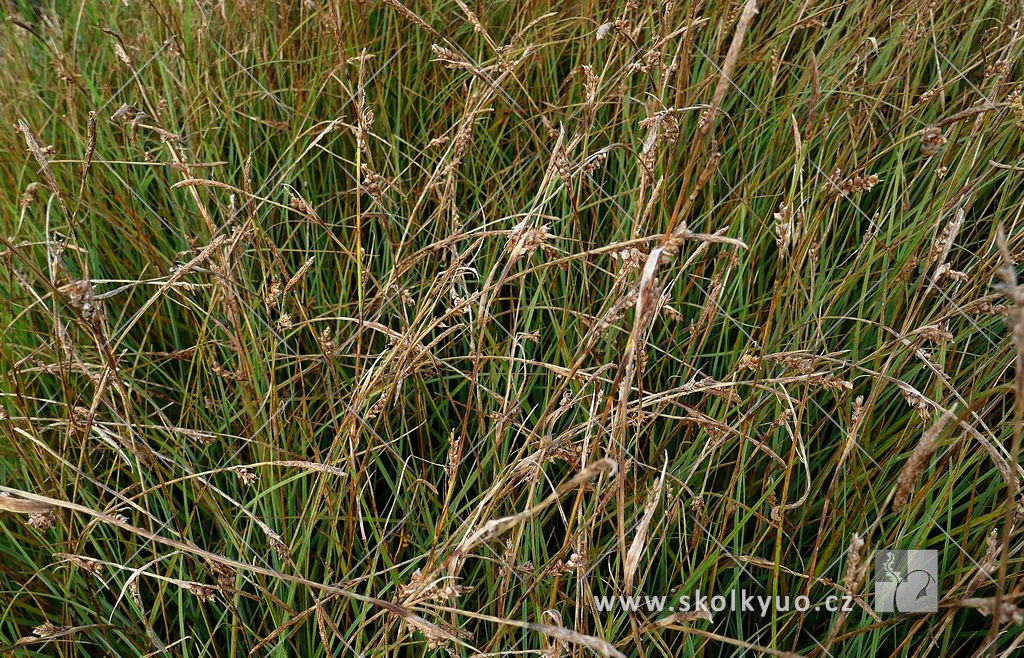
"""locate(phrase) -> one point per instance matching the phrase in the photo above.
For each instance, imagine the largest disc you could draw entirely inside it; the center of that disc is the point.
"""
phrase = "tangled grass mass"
(422, 327)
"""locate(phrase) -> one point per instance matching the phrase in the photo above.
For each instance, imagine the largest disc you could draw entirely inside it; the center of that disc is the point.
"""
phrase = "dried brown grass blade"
(22, 506)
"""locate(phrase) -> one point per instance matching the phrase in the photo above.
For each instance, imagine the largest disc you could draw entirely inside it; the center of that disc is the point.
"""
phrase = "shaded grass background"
(211, 378)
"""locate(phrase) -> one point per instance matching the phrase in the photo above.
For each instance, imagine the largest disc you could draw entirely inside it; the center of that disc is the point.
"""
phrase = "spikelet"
(81, 297)
(836, 187)
(988, 563)
(246, 476)
(449, 57)
(42, 159)
(855, 567)
(944, 240)
(707, 118)
(30, 195)
(298, 276)
(46, 629)
(90, 147)
(273, 293)
(1017, 107)
(932, 140)
(918, 462)
(42, 521)
(408, 14)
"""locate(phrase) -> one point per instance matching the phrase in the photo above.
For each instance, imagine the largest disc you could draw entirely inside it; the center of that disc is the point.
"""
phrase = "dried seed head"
(932, 140)
(936, 334)
(301, 205)
(297, 277)
(783, 227)
(787, 227)
(327, 342)
(374, 410)
(917, 462)
(748, 362)
(451, 465)
(202, 592)
(437, 637)
(46, 629)
(594, 162)
(408, 14)
(946, 272)
(589, 83)
(858, 413)
(855, 566)
(524, 239)
(246, 476)
(916, 401)
(699, 508)
(944, 240)
(273, 294)
(1017, 107)
(830, 382)
(30, 195)
(122, 55)
(280, 548)
(374, 183)
(82, 298)
(997, 68)
(86, 564)
(836, 188)
(42, 159)
(631, 258)
(650, 60)
(988, 563)
(90, 144)
(801, 364)
(42, 521)
(448, 57)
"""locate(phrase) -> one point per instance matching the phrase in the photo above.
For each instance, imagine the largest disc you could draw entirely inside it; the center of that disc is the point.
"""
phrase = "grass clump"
(376, 328)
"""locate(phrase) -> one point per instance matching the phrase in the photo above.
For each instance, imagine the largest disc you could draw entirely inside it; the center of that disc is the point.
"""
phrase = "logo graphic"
(906, 581)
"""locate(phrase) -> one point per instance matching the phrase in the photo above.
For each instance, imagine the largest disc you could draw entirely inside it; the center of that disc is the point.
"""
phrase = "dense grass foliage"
(366, 328)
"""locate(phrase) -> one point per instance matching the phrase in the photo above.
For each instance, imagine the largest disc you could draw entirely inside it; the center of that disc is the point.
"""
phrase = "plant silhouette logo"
(906, 581)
